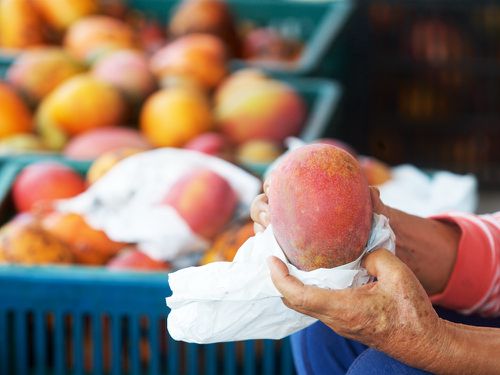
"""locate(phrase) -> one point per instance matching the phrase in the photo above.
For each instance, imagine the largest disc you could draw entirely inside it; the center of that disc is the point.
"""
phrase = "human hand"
(392, 314)
(259, 211)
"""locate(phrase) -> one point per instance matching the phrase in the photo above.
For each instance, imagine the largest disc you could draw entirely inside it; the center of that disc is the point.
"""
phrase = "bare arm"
(427, 246)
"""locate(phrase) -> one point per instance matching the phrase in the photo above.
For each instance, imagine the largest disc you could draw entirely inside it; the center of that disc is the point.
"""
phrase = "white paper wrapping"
(231, 301)
(415, 192)
(125, 202)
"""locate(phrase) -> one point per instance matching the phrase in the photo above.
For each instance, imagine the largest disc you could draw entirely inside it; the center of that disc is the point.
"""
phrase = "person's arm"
(455, 256)
(427, 246)
(395, 316)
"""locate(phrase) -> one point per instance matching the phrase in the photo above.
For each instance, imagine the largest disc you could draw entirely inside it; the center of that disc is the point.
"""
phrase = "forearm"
(462, 349)
(427, 246)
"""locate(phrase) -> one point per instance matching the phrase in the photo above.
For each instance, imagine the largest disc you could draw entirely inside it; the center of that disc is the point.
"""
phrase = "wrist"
(434, 349)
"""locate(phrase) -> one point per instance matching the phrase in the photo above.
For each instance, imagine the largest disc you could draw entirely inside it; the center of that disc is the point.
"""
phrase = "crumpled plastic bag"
(126, 202)
(415, 192)
(232, 301)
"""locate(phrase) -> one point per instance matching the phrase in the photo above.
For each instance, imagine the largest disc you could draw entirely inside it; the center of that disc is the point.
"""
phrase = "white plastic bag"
(231, 301)
(125, 202)
(417, 193)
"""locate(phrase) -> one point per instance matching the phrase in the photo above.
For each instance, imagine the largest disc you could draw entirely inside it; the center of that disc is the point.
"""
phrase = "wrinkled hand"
(392, 314)
(260, 208)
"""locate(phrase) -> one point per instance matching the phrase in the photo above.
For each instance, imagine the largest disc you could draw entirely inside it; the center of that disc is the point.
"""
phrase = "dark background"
(422, 84)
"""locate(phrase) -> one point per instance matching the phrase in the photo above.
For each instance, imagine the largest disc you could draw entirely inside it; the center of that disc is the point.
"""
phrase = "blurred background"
(89, 88)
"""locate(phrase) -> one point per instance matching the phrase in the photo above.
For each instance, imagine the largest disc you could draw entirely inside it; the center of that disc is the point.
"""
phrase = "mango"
(129, 72)
(88, 245)
(89, 37)
(26, 242)
(207, 16)
(104, 163)
(376, 171)
(21, 144)
(80, 104)
(210, 143)
(136, 260)
(227, 243)
(258, 152)
(200, 58)
(320, 207)
(45, 182)
(338, 143)
(38, 71)
(172, 117)
(60, 14)
(205, 200)
(250, 106)
(20, 25)
(94, 143)
(15, 116)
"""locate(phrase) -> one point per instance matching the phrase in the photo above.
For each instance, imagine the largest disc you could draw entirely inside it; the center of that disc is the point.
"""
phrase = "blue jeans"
(317, 350)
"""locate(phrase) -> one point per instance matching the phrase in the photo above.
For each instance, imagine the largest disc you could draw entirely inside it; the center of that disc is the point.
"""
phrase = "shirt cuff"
(471, 276)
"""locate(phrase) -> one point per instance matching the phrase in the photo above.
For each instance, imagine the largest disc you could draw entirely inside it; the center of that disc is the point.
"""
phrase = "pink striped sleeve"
(474, 285)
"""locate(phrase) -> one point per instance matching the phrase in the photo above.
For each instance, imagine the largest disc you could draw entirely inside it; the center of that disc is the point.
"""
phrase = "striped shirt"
(474, 285)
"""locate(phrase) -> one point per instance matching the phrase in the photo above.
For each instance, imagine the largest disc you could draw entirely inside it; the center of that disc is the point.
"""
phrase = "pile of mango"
(89, 78)
(40, 234)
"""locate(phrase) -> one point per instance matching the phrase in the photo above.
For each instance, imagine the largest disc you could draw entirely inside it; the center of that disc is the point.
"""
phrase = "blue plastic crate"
(77, 320)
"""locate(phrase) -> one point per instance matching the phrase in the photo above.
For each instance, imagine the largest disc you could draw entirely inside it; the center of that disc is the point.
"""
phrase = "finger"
(257, 228)
(265, 187)
(378, 206)
(260, 210)
(384, 265)
(306, 299)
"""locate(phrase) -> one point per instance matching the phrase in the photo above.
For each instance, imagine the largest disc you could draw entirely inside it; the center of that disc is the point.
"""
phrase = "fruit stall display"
(65, 284)
(434, 91)
(74, 300)
(105, 88)
(284, 36)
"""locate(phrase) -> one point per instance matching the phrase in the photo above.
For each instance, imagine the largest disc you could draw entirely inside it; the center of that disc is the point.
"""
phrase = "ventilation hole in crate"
(106, 343)
(162, 336)
(10, 339)
(68, 342)
(88, 345)
(49, 339)
(144, 345)
(30, 339)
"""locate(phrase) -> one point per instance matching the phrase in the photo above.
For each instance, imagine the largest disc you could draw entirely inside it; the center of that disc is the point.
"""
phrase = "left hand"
(392, 314)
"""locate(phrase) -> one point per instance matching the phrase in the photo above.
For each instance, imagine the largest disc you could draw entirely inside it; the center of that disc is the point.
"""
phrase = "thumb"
(383, 264)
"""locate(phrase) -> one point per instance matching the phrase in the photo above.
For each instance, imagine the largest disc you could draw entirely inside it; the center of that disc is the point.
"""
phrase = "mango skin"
(320, 207)
(38, 71)
(205, 200)
(79, 104)
(249, 106)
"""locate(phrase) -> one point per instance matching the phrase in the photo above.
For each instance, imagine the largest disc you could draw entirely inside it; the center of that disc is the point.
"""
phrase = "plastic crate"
(319, 23)
(76, 320)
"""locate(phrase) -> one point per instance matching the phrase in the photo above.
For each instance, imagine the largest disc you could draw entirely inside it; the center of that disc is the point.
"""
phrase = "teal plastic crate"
(88, 320)
(320, 24)
(6, 60)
